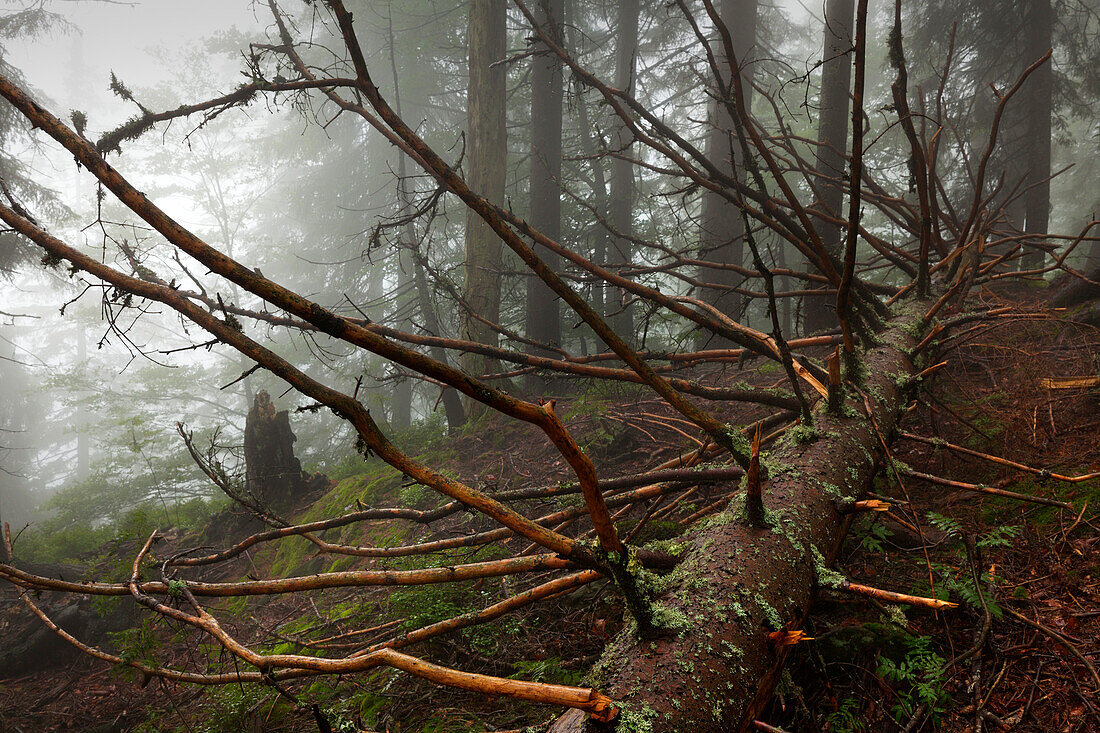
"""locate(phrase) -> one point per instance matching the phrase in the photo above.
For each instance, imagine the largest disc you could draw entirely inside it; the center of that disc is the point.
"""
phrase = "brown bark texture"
(273, 474)
(543, 314)
(717, 668)
(832, 133)
(723, 230)
(488, 150)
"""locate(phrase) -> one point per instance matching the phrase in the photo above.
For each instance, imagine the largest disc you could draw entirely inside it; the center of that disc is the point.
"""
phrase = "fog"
(296, 190)
(354, 323)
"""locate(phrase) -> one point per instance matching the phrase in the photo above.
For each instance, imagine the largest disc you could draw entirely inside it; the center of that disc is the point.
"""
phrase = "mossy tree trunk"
(716, 669)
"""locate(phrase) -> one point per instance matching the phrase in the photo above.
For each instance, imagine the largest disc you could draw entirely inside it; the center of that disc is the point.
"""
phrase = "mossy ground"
(847, 680)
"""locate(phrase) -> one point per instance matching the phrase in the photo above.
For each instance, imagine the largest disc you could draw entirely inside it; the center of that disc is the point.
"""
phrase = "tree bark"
(543, 316)
(273, 474)
(488, 151)
(452, 402)
(1015, 141)
(401, 401)
(736, 584)
(1039, 90)
(620, 213)
(723, 231)
(832, 133)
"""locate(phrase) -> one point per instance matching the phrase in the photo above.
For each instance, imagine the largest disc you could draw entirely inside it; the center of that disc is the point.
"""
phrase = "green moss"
(670, 619)
(670, 546)
(771, 616)
(654, 530)
(635, 720)
(375, 485)
(737, 441)
(769, 367)
(825, 576)
(802, 434)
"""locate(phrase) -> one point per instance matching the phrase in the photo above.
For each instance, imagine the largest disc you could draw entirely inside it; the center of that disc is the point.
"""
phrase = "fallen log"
(717, 668)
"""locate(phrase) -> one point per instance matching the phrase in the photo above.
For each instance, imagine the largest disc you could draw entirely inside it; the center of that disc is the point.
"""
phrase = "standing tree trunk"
(407, 285)
(401, 402)
(1037, 199)
(1015, 140)
(488, 152)
(83, 451)
(723, 230)
(4, 556)
(452, 402)
(832, 134)
(621, 214)
(543, 314)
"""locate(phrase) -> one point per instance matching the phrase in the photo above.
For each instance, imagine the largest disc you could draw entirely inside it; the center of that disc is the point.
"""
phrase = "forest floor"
(1015, 657)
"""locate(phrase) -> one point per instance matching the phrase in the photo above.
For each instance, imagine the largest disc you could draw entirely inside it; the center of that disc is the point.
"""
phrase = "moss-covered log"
(737, 584)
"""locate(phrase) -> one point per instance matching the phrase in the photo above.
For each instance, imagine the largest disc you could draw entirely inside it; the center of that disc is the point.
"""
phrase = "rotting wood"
(736, 585)
(273, 474)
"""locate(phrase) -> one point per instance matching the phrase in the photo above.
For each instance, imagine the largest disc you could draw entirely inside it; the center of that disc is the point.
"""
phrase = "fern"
(917, 679)
(999, 537)
(948, 525)
(846, 718)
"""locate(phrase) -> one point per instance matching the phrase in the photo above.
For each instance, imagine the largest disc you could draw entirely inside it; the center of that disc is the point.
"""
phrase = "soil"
(867, 669)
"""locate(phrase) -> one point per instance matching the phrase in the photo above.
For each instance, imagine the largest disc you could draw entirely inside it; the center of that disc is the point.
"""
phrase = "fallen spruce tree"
(736, 600)
(711, 615)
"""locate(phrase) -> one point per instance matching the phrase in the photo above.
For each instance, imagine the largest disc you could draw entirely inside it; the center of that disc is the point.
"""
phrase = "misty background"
(90, 395)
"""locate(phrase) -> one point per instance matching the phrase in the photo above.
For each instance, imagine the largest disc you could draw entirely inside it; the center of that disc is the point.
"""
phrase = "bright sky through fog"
(124, 37)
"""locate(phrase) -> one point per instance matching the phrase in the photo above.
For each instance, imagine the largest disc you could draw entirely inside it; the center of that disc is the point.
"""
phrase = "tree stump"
(273, 474)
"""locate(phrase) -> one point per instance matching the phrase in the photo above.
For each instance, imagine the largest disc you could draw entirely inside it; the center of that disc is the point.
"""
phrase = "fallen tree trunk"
(737, 584)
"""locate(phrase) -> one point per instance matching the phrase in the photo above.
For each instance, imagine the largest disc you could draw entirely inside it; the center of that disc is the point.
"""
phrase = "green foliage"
(948, 525)
(137, 644)
(426, 436)
(905, 662)
(589, 404)
(953, 582)
(419, 496)
(917, 677)
(57, 540)
(999, 537)
(547, 670)
(871, 535)
(846, 718)
(959, 583)
(420, 605)
(233, 708)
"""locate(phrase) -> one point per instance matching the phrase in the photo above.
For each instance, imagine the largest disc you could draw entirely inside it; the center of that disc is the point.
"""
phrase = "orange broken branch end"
(892, 597)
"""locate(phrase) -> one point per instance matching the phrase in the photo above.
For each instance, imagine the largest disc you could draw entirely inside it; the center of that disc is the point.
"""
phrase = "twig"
(1059, 638)
(891, 596)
